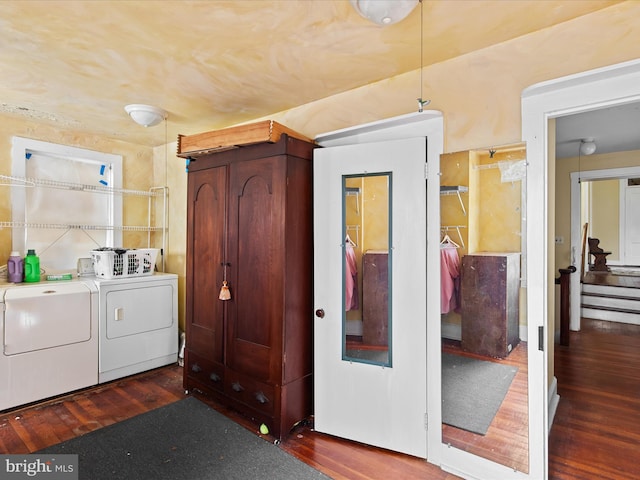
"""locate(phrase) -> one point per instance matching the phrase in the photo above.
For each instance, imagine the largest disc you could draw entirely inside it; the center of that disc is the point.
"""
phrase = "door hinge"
(426, 421)
(426, 171)
(541, 339)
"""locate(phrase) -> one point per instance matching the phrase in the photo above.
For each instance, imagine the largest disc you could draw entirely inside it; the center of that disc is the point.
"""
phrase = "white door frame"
(599, 88)
(625, 231)
(576, 230)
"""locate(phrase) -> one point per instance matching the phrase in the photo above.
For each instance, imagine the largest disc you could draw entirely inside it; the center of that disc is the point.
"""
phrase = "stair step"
(611, 315)
(611, 309)
(608, 295)
(611, 302)
(617, 291)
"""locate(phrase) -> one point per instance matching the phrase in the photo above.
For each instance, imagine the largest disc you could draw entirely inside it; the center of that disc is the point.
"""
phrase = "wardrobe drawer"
(205, 371)
(258, 395)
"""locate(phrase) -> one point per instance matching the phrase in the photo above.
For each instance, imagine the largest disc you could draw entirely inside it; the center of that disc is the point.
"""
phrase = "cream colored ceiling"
(215, 63)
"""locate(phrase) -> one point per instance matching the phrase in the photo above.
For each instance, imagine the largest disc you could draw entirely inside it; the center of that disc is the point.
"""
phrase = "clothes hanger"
(446, 240)
(348, 239)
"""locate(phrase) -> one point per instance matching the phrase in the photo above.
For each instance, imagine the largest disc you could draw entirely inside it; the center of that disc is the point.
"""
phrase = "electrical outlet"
(559, 240)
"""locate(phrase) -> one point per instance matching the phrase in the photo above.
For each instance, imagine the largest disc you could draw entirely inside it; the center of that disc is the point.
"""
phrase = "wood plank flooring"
(506, 441)
(595, 435)
(596, 432)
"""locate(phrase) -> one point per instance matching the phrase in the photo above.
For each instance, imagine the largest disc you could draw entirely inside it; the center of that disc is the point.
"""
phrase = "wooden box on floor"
(490, 286)
(375, 298)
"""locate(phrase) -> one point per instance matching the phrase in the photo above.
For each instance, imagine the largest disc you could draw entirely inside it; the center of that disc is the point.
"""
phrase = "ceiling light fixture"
(384, 12)
(146, 115)
(587, 146)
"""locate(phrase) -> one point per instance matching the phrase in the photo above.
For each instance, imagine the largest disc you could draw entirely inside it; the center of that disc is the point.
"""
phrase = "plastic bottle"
(15, 268)
(31, 267)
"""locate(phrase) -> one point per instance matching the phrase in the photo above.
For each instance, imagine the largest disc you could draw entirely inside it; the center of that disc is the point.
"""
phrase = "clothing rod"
(496, 165)
(457, 229)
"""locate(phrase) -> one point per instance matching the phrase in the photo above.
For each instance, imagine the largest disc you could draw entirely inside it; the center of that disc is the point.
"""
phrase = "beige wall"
(479, 95)
(605, 216)
(170, 171)
(499, 205)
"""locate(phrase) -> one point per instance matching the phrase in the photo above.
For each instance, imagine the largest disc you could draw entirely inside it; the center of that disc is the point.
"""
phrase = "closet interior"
(483, 297)
(481, 211)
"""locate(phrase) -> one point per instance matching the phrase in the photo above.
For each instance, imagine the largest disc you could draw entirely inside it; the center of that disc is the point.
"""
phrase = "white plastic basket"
(110, 264)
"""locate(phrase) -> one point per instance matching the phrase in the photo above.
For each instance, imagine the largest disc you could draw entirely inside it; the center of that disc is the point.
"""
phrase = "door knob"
(320, 313)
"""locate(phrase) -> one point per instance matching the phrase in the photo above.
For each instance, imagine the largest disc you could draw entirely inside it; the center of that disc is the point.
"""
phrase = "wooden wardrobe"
(249, 223)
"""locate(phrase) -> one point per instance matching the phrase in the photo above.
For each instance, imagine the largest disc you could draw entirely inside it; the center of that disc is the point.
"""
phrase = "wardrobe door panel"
(256, 245)
(206, 221)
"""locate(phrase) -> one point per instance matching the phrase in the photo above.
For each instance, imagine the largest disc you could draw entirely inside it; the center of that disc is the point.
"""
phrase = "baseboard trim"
(451, 331)
(354, 327)
(524, 333)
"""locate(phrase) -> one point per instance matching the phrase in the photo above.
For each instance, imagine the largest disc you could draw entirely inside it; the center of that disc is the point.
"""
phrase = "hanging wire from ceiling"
(579, 159)
(421, 103)
(587, 147)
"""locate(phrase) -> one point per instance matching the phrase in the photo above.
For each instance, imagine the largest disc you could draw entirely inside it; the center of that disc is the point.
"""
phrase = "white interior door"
(631, 225)
(377, 403)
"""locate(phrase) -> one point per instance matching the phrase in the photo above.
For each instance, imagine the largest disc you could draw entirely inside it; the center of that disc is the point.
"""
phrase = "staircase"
(612, 303)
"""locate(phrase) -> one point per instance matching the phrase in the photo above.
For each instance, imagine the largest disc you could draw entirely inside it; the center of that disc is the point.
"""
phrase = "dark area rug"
(185, 440)
(472, 391)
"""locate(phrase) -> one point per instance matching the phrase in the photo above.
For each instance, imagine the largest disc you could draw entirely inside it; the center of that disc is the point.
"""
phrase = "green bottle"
(31, 267)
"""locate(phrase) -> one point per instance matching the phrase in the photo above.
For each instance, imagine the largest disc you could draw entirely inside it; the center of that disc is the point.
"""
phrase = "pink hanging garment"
(351, 301)
(450, 282)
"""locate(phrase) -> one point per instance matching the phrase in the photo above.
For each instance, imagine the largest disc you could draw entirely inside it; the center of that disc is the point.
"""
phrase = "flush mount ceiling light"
(384, 12)
(587, 146)
(145, 115)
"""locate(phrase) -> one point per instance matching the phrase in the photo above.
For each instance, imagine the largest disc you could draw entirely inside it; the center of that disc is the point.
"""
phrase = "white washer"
(138, 318)
(49, 340)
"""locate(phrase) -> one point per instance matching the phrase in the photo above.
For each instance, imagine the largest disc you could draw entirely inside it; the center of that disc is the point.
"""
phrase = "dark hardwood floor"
(28, 429)
(617, 280)
(595, 435)
(596, 432)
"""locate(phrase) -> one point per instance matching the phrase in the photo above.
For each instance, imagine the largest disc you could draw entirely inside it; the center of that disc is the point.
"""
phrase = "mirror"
(483, 304)
(366, 236)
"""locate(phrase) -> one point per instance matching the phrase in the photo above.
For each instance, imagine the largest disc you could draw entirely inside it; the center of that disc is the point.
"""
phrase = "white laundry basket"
(122, 263)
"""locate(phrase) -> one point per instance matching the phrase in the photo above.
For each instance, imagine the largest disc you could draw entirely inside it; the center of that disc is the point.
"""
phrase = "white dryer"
(49, 340)
(138, 318)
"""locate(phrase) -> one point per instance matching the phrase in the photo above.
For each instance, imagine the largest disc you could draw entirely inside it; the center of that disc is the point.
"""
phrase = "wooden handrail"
(565, 303)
